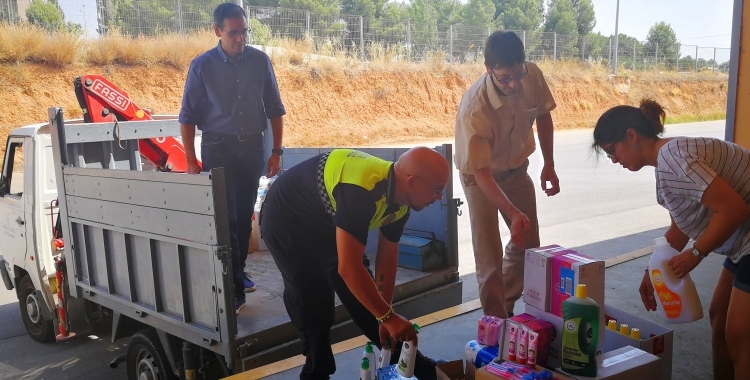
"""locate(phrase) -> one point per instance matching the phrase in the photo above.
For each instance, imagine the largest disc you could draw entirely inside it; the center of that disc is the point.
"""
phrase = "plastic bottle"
(677, 298)
(624, 329)
(369, 354)
(480, 355)
(385, 355)
(365, 373)
(580, 333)
(635, 333)
(405, 366)
(612, 325)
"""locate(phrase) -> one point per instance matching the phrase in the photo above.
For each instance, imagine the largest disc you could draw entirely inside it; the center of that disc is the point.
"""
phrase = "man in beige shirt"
(494, 139)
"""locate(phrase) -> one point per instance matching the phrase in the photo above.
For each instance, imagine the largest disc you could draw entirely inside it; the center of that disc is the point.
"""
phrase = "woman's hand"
(684, 262)
(647, 292)
(398, 328)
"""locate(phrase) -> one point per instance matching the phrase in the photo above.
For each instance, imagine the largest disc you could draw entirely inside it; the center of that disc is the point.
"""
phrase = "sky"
(703, 23)
(707, 24)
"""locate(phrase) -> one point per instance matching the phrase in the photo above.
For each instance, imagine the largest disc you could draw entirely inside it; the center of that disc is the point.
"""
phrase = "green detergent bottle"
(580, 334)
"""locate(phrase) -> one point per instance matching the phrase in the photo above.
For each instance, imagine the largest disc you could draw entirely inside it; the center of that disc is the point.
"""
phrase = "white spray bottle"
(677, 299)
(369, 354)
(405, 366)
(385, 354)
(365, 373)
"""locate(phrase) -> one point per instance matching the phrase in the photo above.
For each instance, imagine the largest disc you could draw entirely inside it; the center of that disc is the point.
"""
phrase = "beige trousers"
(500, 277)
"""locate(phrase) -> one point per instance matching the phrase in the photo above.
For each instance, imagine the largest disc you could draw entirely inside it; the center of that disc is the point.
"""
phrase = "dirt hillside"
(363, 107)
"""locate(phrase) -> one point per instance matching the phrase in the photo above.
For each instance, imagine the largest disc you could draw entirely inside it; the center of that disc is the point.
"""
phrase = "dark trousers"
(309, 266)
(243, 162)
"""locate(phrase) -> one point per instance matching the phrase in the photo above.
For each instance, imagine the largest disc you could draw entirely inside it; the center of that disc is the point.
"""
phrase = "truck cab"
(27, 193)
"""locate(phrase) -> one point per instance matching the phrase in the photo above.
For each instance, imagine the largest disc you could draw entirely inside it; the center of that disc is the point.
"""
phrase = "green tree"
(364, 8)
(561, 17)
(521, 14)
(324, 7)
(662, 42)
(585, 16)
(479, 13)
(262, 3)
(45, 14)
(449, 11)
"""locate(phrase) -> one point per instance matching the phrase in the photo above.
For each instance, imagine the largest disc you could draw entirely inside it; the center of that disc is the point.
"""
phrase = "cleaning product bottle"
(677, 298)
(385, 354)
(580, 333)
(369, 354)
(405, 366)
(365, 373)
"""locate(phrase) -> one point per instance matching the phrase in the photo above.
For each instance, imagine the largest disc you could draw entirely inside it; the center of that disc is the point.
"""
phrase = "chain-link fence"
(366, 38)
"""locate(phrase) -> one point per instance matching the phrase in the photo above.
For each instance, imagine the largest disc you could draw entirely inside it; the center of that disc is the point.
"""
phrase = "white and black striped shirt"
(685, 167)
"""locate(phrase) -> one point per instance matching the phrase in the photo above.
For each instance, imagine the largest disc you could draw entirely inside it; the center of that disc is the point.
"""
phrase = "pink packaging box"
(541, 331)
(569, 269)
(489, 330)
(512, 329)
(536, 275)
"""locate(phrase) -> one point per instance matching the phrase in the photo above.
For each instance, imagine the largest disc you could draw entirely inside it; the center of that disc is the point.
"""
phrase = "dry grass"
(59, 49)
(19, 42)
(27, 43)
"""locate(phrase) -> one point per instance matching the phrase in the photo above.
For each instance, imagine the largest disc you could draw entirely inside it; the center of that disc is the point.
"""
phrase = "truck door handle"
(20, 221)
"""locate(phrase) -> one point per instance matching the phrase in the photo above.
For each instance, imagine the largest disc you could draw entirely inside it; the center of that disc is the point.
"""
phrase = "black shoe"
(424, 367)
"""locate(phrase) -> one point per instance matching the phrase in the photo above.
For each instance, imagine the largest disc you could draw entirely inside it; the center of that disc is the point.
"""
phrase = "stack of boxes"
(551, 275)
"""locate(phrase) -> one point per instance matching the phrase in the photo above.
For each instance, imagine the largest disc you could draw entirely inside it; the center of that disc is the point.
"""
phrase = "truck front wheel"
(146, 357)
(39, 328)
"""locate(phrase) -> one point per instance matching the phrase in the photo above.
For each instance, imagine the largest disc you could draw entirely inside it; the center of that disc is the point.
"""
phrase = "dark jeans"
(243, 166)
(309, 266)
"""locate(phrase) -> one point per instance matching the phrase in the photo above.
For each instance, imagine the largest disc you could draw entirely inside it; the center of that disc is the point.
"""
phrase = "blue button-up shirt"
(222, 96)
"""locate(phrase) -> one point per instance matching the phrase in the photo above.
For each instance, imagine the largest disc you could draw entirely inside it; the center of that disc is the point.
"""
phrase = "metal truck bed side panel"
(149, 245)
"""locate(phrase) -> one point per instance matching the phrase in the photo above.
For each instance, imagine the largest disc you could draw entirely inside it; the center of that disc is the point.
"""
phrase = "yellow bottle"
(677, 299)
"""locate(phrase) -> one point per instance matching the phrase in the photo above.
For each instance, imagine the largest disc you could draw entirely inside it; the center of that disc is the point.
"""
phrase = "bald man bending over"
(315, 221)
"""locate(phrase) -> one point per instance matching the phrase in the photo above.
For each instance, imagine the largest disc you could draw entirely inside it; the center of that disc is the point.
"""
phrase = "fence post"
(713, 66)
(408, 40)
(696, 58)
(609, 61)
(656, 54)
(554, 47)
(307, 23)
(583, 48)
(634, 42)
(450, 42)
(362, 37)
(489, 31)
(178, 12)
(524, 41)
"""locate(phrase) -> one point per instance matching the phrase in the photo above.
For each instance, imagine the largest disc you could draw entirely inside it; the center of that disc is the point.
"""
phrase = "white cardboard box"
(655, 339)
(536, 275)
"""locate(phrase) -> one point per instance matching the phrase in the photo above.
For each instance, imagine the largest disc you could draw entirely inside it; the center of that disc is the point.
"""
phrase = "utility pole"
(617, 22)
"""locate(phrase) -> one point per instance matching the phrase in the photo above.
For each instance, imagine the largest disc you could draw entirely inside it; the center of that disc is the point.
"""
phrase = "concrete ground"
(692, 342)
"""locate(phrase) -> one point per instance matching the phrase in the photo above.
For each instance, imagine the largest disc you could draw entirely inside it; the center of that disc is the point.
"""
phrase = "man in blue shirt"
(230, 93)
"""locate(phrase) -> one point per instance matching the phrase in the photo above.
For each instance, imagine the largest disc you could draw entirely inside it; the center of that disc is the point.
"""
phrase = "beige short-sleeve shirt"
(494, 130)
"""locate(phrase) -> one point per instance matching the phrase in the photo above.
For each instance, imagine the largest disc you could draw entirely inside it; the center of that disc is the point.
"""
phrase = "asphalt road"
(602, 210)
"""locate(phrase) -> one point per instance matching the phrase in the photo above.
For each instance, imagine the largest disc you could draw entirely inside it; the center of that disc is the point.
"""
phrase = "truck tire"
(39, 328)
(146, 357)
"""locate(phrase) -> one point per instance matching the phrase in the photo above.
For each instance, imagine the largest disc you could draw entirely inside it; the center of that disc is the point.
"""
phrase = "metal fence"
(366, 38)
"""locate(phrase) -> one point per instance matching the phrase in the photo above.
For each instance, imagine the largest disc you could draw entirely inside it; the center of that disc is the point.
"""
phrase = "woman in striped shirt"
(704, 183)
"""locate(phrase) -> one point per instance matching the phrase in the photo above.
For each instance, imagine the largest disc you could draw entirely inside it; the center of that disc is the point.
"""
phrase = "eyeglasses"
(508, 79)
(436, 192)
(610, 151)
(237, 33)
